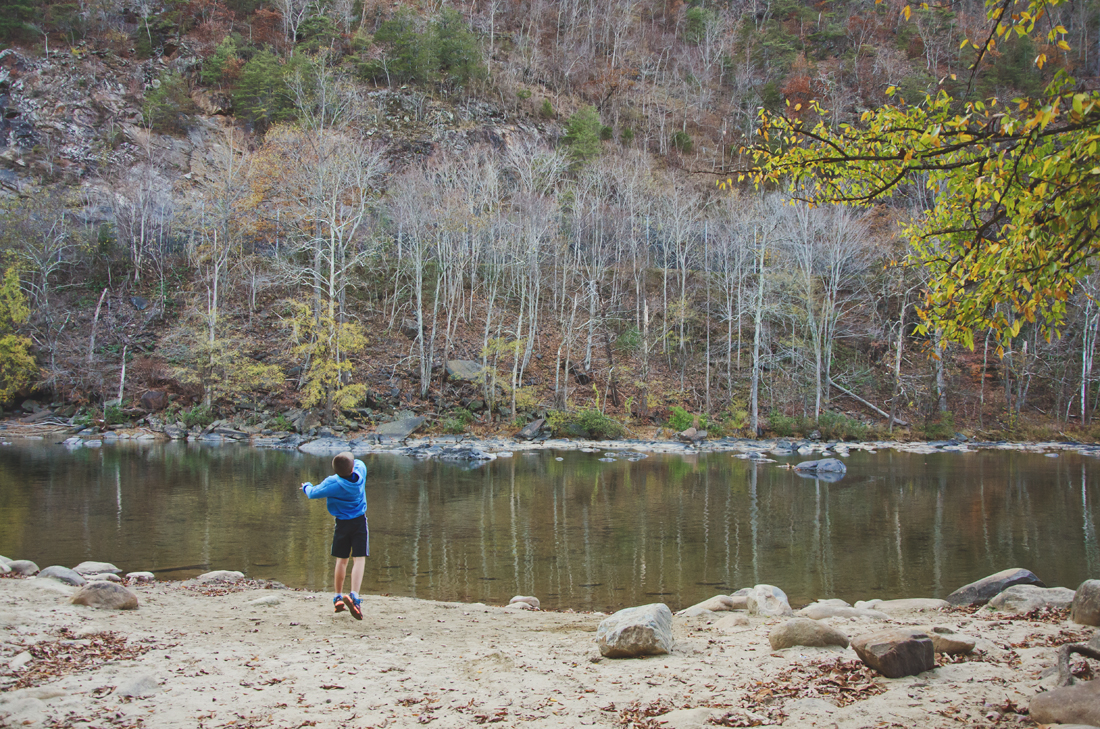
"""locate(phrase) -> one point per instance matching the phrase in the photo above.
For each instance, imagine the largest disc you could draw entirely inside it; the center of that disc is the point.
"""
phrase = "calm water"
(577, 533)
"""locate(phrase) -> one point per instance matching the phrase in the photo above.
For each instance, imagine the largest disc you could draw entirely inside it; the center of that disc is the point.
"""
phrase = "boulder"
(718, 603)
(106, 596)
(529, 600)
(1025, 598)
(1076, 704)
(948, 642)
(732, 622)
(825, 465)
(138, 577)
(897, 652)
(4, 569)
(692, 435)
(401, 429)
(532, 429)
(64, 575)
(465, 370)
(96, 568)
(985, 589)
(806, 632)
(638, 631)
(768, 601)
(109, 576)
(23, 567)
(154, 400)
(220, 576)
(1086, 603)
(266, 601)
(820, 611)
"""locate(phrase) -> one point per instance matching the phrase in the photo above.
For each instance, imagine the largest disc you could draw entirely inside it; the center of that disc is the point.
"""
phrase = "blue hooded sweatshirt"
(346, 498)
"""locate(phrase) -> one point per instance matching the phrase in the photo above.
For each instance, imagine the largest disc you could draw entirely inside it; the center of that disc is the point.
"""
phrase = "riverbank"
(251, 655)
(363, 443)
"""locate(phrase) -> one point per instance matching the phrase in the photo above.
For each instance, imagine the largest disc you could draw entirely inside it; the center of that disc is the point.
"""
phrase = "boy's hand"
(305, 485)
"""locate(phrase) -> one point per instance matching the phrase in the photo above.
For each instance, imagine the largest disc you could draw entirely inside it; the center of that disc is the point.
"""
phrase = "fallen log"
(860, 400)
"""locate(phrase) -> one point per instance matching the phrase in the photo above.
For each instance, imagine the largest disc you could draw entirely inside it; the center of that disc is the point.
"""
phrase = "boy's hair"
(343, 464)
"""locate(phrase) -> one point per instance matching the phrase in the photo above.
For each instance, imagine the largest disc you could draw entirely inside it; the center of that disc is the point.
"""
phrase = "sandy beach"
(252, 655)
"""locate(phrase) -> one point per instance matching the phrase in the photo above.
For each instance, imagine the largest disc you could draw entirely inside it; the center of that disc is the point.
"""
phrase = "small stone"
(96, 568)
(896, 653)
(718, 603)
(108, 576)
(139, 577)
(983, 590)
(266, 601)
(23, 567)
(730, 623)
(769, 601)
(1085, 608)
(905, 605)
(19, 661)
(64, 575)
(806, 632)
(825, 465)
(106, 595)
(529, 600)
(638, 631)
(139, 687)
(820, 611)
(220, 576)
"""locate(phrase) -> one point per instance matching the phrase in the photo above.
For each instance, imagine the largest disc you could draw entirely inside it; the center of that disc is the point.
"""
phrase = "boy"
(347, 502)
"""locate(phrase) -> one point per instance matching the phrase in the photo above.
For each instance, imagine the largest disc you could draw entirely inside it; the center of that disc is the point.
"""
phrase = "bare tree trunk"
(95, 323)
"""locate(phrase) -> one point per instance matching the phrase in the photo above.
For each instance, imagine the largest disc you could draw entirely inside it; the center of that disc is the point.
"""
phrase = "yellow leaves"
(1040, 60)
(906, 12)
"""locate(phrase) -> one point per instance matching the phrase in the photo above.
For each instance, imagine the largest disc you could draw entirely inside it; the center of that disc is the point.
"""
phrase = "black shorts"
(351, 537)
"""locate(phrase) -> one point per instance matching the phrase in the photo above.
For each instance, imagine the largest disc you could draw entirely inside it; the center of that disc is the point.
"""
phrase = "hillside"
(253, 208)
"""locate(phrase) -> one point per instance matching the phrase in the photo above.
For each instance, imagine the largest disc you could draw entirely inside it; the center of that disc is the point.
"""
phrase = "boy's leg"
(341, 570)
(358, 565)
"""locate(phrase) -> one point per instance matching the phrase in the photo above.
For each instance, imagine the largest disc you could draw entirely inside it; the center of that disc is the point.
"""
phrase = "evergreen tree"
(456, 48)
(14, 20)
(411, 57)
(261, 96)
(582, 134)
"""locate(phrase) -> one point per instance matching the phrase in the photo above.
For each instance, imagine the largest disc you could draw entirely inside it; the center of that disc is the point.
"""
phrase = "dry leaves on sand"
(839, 681)
(53, 659)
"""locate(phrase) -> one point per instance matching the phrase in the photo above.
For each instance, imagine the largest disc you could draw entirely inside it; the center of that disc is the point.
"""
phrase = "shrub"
(113, 414)
(582, 134)
(786, 426)
(941, 428)
(680, 419)
(168, 106)
(546, 111)
(588, 423)
(682, 141)
(837, 426)
(222, 60)
(459, 420)
(198, 416)
(281, 422)
(626, 136)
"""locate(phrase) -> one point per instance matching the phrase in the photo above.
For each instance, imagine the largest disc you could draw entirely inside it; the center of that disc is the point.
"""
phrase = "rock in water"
(63, 574)
(1077, 704)
(1025, 598)
(96, 568)
(825, 465)
(807, 632)
(769, 601)
(982, 591)
(1086, 603)
(896, 653)
(529, 600)
(106, 595)
(636, 631)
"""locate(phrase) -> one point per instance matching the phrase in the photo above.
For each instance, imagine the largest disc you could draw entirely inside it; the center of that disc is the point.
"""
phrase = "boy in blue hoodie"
(347, 502)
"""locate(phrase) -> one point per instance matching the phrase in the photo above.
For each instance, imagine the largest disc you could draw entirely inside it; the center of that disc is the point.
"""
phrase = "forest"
(550, 189)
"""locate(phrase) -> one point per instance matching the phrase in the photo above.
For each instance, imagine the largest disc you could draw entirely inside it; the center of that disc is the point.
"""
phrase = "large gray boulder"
(820, 611)
(64, 575)
(1025, 598)
(106, 596)
(532, 429)
(947, 641)
(718, 603)
(401, 429)
(806, 632)
(96, 568)
(1086, 603)
(897, 652)
(465, 370)
(220, 576)
(1076, 704)
(985, 589)
(768, 601)
(638, 631)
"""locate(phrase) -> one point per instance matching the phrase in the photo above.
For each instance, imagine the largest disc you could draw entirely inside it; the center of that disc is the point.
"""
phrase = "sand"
(246, 655)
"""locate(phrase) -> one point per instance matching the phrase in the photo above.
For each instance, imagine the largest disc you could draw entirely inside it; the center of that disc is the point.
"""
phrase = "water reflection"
(580, 532)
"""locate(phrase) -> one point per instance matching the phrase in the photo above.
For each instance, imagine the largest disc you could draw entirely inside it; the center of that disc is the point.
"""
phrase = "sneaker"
(352, 601)
(338, 604)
